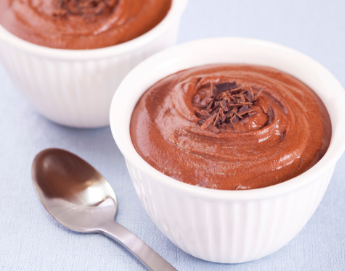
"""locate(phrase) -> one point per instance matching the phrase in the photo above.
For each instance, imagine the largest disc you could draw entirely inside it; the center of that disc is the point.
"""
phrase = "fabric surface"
(30, 239)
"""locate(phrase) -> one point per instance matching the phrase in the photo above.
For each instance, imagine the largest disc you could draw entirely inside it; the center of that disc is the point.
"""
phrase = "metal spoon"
(78, 197)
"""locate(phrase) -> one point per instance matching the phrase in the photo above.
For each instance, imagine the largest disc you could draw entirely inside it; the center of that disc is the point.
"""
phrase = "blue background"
(31, 240)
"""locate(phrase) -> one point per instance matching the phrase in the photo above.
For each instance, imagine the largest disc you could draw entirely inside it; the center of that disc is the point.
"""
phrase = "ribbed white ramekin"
(75, 87)
(228, 226)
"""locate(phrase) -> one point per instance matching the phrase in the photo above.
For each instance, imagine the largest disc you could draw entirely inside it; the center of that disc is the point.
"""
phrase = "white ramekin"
(75, 87)
(228, 226)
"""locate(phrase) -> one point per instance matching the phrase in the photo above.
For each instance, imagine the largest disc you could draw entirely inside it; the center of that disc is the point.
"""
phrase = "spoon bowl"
(72, 191)
(78, 197)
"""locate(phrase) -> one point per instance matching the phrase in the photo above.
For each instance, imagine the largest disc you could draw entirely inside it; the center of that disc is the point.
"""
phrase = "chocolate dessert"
(231, 127)
(84, 24)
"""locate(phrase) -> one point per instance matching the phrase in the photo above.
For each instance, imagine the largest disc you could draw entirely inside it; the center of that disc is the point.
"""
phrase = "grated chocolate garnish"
(228, 104)
(87, 8)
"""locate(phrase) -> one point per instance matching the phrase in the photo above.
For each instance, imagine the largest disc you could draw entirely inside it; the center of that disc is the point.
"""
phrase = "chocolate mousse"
(81, 24)
(231, 127)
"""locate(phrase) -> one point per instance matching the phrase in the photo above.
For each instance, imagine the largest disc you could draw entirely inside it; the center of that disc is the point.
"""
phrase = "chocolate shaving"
(257, 95)
(250, 95)
(216, 120)
(208, 108)
(247, 112)
(200, 122)
(264, 107)
(213, 91)
(204, 114)
(234, 119)
(208, 122)
(238, 115)
(228, 103)
(243, 108)
(223, 105)
(226, 86)
(222, 118)
(241, 104)
(253, 113)
(237, 90)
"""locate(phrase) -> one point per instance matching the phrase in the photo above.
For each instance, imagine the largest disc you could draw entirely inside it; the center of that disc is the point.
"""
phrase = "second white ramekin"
(75, 87)
(229, 226)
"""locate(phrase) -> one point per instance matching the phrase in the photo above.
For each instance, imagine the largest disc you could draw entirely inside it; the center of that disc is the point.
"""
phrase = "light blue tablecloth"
(31, 240)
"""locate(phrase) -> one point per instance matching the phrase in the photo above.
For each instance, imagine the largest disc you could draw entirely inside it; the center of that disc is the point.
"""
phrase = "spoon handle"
(134, 244)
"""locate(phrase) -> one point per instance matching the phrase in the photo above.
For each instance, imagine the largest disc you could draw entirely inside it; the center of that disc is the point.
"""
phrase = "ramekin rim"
(252, 194)
(175, 12)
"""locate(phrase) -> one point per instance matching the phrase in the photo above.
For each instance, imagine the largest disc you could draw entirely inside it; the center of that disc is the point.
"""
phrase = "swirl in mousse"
(81, 24)
(231, 127)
